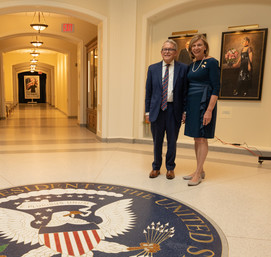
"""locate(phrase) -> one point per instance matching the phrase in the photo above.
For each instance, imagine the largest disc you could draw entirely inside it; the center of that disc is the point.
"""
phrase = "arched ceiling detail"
(73, 10)
(22, 41)
(17, 32)
(171, 8)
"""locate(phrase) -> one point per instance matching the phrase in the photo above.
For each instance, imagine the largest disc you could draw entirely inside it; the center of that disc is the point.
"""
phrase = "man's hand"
(147, 118)
(184, 117)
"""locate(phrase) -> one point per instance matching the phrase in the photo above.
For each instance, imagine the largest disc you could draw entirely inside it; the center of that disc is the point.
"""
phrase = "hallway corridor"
(39, 144)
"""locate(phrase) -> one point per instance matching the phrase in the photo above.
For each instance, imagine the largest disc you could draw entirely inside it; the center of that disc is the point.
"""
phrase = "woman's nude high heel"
(190, 183)
(189, 177)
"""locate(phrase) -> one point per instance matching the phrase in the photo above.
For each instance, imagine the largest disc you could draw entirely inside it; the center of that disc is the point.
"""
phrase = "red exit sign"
(67, 27)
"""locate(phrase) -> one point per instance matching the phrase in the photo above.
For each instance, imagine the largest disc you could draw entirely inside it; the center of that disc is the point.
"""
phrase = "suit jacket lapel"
(176, 72)
(159, 73)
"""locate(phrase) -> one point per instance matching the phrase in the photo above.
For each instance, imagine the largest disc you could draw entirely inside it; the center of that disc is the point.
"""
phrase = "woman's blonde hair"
(195, 39)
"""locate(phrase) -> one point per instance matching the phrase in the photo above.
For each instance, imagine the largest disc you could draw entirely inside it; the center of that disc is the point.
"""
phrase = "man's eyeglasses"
(168, 50)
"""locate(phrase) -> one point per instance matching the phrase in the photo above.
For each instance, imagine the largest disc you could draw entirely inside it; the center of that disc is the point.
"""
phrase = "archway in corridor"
(69, 50)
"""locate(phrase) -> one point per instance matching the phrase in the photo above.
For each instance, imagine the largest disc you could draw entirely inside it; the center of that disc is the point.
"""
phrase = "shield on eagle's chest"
(73, 243)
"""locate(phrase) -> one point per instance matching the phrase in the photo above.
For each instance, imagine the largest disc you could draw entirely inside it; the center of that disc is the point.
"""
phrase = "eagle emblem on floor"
(117, 219)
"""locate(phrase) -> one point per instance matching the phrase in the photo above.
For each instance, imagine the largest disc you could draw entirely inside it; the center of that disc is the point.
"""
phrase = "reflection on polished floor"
(39, 144)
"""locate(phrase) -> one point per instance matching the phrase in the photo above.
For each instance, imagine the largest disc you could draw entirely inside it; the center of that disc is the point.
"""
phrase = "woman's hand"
(207, 117)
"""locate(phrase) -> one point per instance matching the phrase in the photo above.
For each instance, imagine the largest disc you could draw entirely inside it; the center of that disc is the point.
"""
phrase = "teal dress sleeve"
(214, 76)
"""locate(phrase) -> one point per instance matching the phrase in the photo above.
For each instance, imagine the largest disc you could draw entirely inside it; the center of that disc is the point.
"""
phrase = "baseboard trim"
(223, 148)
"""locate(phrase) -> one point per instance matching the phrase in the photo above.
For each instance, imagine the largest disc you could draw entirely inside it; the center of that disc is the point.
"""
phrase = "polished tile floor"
(39, 144)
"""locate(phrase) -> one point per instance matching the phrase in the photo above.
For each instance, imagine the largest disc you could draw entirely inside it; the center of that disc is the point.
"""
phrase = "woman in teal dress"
(201, 106)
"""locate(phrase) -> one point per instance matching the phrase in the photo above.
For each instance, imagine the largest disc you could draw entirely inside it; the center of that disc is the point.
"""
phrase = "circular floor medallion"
(102, 220)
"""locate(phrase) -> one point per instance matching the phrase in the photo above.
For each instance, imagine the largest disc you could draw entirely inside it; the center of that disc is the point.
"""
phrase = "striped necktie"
(165, 87)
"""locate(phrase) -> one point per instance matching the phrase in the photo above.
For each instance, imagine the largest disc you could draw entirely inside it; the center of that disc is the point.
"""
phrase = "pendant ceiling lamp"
(37, 24)
(36, 42)
(32, 68)
(35, 54)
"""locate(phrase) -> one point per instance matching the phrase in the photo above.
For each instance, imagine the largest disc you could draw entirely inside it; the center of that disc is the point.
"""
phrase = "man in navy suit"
(165, 117)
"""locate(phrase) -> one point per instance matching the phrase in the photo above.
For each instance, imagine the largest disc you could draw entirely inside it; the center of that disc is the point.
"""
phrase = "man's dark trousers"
(165, 123)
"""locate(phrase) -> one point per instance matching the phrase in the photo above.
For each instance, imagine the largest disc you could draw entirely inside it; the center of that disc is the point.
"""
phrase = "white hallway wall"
(249, 121)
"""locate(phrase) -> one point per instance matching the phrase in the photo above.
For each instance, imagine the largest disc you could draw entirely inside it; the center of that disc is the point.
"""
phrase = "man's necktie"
(165, 87)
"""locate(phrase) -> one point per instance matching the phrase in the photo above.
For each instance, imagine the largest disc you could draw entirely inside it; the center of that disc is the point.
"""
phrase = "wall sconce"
(185, 32)
(37, 24)
(244, 27)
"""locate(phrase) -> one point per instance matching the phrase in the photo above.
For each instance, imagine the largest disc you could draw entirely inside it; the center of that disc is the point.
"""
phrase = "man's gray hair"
(171, 41)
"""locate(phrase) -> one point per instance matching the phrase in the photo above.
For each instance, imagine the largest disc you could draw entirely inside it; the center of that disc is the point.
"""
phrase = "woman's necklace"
(193, 68)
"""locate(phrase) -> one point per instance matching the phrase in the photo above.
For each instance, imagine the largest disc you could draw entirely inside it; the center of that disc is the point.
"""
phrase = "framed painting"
(32, 87)
(183, 43)
(242, 64)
